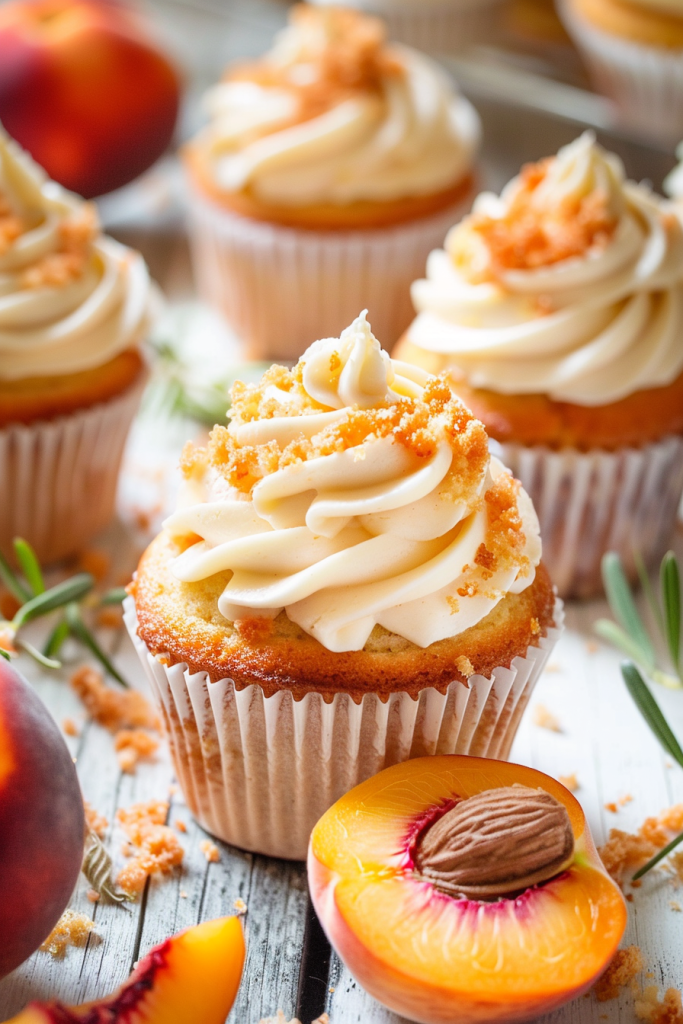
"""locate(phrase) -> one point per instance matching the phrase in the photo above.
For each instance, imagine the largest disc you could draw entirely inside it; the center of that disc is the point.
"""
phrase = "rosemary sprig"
(629, 633)
(97, 867)
(652, 713)
(35, 601)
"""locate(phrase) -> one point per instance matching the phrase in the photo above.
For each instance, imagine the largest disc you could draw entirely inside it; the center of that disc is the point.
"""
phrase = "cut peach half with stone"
(393, 867)
(193, 976)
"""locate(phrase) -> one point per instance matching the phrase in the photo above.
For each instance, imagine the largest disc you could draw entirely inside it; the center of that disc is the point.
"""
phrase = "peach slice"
(444, 960)
(193, 976)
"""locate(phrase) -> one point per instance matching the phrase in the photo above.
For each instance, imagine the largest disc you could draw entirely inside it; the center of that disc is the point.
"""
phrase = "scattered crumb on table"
(570, 782)
(668, 1011)
(545, 719)
(113, 709)
(154, 847)
(69, 727)
(181, 826)
(622, 969)
(626, 851)
(611, 807)
(95, 821)
(210, 851)
(72, 929)
(132, 746)
(240, 906)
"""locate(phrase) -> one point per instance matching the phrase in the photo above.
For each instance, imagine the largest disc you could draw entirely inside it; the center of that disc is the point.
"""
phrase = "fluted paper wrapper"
(58, 478)
(282, 288)
(592, 502)
(646, 82)
(437, 27)
(258, 772)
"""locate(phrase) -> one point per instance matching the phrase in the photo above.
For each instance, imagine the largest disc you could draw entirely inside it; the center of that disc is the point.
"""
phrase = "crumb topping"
(154, 846)
(529, 236)
(72, 929)
(67, 264)
(622, 969)
(110, 708)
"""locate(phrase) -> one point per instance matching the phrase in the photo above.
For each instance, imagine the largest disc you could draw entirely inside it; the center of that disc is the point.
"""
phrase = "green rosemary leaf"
(30, 566)
(114, 596)
(37, 655)
(616, 636)
(650, 710)
(56, 597)
(623, 606)
(56, 639)
(97, 867)
(80, 630)
(5, 654)
(657, 857)
(8, 577)
(671, 599)
(645, 583)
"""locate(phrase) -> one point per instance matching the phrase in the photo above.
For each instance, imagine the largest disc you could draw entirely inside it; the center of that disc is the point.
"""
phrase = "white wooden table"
(603, 740)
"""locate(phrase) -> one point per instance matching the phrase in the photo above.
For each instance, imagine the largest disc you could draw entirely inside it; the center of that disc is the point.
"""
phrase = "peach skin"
(41, 821)
(193, 976)
(461, 890)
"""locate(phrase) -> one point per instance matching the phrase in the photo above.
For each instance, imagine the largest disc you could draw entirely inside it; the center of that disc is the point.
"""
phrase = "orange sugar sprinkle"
(210, 851)
(72, 929)
(111, 708)
(612, 807)
(570, 782)
(69, 727)
(622, 969)
(181, 826)
(154, 846)
(133, 745)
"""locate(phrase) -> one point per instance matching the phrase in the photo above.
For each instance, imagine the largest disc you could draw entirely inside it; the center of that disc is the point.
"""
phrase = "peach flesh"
(193, 976)
(41, 821)
(440, 960)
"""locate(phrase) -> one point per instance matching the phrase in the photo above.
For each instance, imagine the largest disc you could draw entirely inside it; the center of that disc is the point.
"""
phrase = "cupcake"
(350, 580)
(634, 52)
(557, 309)
(438, 26)
(328, 171)
(74, 309)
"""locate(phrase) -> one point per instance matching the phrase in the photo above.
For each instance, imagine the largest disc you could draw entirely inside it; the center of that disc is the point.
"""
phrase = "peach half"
(384, 861)
(193, 976)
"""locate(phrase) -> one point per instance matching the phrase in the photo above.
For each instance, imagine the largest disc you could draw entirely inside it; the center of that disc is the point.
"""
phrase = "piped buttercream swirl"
(355, 491)
(332, 115)
(70, 297)
(569, 284)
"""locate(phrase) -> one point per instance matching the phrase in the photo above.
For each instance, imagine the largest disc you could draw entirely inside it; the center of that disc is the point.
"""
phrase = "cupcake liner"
(282, 288)
(58, 478)
(258, 772)
(597, 501)
(442, 26)
(645, 82)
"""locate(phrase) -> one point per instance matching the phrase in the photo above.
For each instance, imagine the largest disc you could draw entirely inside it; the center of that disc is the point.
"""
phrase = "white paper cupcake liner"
(645, 82)
(259, 771)
(58, 478)
(437, 26)
(592, 502)
(282, 288)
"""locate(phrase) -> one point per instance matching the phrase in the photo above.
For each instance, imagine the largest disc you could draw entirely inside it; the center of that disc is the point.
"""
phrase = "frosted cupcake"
(634, 51)
(74, 310)
(558, 310)
(328, 171)
(437, 26)
(350, 580)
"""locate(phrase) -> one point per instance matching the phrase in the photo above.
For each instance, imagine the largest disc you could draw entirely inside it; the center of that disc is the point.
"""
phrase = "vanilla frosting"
(407, 134)
(591, 328)
(70, 298)
(370, 498)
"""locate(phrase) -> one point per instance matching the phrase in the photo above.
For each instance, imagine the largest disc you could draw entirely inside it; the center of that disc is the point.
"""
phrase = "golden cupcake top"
(568, 284)
(70, 297)
(333, 114)
(353, 491)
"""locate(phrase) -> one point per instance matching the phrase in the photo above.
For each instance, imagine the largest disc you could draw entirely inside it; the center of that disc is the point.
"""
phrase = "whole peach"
(85, 91)
(41, 821)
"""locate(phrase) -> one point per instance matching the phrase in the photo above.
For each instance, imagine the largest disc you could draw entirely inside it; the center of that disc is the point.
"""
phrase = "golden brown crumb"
(95, 821)
(545, 719)
(668, 1011)
(570, 782)
(134, 745)
(612, 807)
(624, 852)
(93, 896)
(464, 665)
(155, 846)
(240, 906)
(111, 708)
(626, 799)
(72, 929)
(69, 727)
(622, 969)
(210, 851)
(535, 627)
(629, 897)
(181, 826)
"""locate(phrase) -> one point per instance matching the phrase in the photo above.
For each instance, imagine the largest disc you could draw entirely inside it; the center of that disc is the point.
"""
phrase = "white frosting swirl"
(372, 532)
(589, 329)
(62, 309)
(411, 136)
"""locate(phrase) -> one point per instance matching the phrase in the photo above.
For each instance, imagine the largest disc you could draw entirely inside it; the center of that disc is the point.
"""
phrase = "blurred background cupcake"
(328, 171)
(634, 53)
(438, 26)
(558, 309)
(74, 311)
(350, 580)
